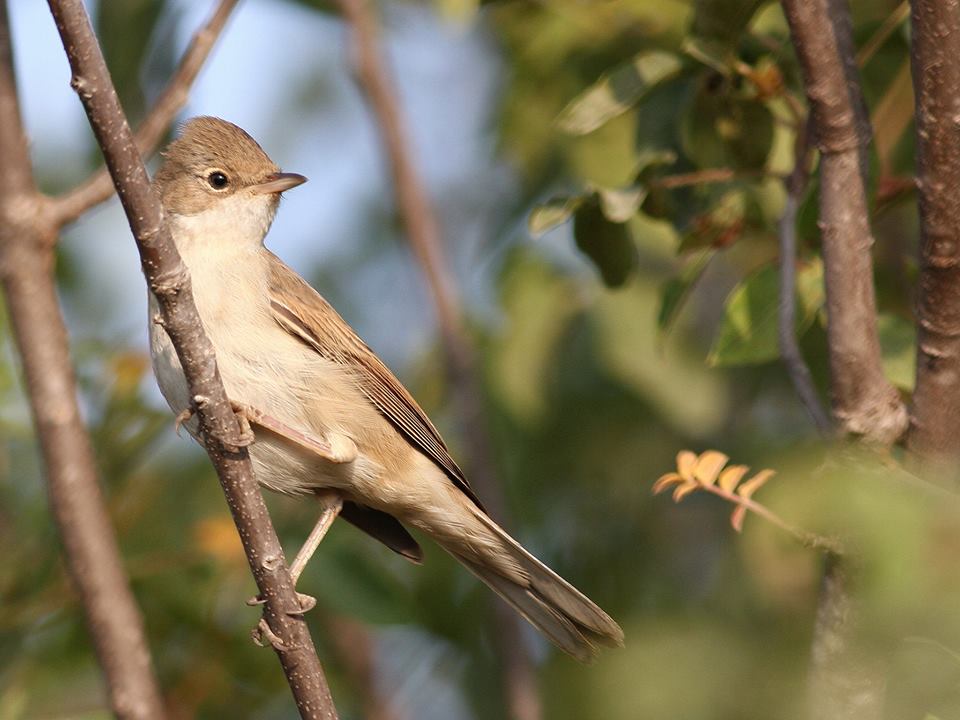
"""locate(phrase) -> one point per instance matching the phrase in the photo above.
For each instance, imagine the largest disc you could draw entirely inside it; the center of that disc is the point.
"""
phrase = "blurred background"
(623, 303)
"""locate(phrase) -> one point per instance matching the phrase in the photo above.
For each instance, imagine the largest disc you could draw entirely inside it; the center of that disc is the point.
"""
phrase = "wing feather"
(302, 312)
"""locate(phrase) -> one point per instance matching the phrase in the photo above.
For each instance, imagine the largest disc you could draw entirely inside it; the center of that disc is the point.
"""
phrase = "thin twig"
(707, 176)
(99, 187)
(169, 281)
(805, 538)
(91, 553)
(864, 401)
(786, 330)
(423, 234)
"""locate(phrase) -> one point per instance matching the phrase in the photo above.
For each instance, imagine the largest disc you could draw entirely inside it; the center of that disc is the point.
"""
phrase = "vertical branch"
(864, 402)
(168, 279)
(935, 49)
(91, 552)
(843, 685)
(423, 234)
(787, 311)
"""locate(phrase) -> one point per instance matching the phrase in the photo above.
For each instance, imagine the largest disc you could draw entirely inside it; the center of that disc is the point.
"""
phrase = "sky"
(280, 71)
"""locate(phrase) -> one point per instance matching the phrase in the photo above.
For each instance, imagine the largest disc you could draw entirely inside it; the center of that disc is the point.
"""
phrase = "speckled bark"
(935, 57)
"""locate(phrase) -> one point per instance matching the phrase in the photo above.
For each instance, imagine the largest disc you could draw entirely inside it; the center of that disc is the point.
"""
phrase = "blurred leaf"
(723, 20)
(709, 465)
(617, 91)
(684, 392)
(748, 331)
(720, 226)
(619, 205)
(679, 288)
(553, 212)
(538, 304)
(607, 243)
(731, 477)
(898, 345)
(712, 53)
(892, 116)
(124, 30)
(686, 464)
(721, 129)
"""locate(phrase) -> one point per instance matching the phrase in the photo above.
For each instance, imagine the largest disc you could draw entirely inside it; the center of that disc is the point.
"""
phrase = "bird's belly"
(295, 386)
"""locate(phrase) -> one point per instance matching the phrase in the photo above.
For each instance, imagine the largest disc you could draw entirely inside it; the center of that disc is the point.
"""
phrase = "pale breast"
(264, 367)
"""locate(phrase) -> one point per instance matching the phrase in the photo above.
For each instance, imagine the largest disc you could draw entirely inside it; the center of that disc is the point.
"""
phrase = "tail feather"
(561, 612)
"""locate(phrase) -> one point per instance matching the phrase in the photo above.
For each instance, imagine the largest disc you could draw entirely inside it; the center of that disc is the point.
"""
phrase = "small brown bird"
(328, 417)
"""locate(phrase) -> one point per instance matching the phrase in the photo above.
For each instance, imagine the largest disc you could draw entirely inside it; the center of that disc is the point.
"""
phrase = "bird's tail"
(566, 616)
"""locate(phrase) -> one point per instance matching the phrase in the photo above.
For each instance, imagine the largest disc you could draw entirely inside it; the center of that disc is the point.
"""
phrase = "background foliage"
(625, 306)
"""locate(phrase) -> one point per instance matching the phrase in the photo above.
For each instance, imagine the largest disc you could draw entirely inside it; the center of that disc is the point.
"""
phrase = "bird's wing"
(301, 311)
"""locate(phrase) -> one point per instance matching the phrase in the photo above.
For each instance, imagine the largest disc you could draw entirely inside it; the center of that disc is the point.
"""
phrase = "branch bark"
(27, 238)
(168, 279)
(844, 684)
(99, 186)
(935, 414)
(864, 402)
(423, 233)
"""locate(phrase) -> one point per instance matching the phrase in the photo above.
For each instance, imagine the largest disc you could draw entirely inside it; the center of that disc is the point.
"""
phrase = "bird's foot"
(182, 418)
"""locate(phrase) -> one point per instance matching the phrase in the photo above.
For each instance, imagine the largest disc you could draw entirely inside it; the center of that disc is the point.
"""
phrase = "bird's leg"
(330, 505)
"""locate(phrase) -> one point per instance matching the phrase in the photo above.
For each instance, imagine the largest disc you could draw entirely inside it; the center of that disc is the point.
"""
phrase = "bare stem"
(423, 234)
(91, 553)
(864, 402)
(169, 281)
(99, 187)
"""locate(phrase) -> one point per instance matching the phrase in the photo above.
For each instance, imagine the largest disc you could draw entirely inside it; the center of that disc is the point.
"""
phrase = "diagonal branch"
(90, 548)
(935, 47)
(99, 187)
(169, 281)
(864, 402)
(423, 234)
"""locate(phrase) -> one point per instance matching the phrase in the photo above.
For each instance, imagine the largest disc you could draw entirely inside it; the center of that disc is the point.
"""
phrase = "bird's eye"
(218, 180)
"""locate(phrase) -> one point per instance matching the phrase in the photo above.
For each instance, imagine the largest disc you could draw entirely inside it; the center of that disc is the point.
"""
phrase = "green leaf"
(748, 330)
(621, 204)
(723, 130)
(607, 243)
(898, 337)
(723, 20)
(124, 30)
(553, 212)
(678, 289)
(617, 91)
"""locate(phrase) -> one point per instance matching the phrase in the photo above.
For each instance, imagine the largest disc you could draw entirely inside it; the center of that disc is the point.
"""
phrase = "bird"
(327, 417)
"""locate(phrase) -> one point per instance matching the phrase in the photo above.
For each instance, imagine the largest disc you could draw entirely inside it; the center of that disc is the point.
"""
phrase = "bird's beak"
(277, 183)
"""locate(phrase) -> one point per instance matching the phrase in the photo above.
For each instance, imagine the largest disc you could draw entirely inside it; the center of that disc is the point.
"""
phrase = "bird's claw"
(182, 418)
(261, 631)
